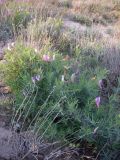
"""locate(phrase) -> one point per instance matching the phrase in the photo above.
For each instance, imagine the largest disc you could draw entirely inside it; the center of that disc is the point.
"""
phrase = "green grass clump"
(65, 3)
(13, 21)
(82, 19)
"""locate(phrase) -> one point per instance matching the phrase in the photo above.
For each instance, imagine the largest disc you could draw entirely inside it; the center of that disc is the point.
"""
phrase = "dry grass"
(99, 23)
(103, 31)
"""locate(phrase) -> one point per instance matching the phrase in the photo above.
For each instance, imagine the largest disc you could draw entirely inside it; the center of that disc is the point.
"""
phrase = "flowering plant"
(62, 101)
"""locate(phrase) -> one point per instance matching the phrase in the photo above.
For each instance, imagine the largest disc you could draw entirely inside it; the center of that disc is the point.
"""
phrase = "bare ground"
(107, 33)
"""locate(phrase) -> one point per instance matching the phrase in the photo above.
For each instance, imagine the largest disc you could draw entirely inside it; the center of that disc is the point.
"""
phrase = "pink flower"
(36, 78)
(46, 58)
(33, 79)
(100, 83)
(2, 1)
(97, 101)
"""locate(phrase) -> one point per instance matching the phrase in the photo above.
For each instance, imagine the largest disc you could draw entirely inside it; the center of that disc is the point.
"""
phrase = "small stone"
(5, 90)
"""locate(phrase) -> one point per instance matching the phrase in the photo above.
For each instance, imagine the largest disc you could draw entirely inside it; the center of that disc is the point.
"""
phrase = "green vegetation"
(60, 79)
(82, 19)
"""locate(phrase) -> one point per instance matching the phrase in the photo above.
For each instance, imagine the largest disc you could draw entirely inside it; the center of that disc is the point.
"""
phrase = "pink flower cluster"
(36, 78)
(97, 101)
(47, 58)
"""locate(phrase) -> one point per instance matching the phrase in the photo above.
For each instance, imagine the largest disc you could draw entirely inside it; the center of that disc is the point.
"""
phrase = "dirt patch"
(25, 146)
(5, 149)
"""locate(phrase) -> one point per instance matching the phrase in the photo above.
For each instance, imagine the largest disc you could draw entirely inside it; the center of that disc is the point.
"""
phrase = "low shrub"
(58, 96)
(73, 93)
(110, 18)
(43, 32)
(82, 19)
(57, 86)
(6, 30)
(65, 3)
(20, 20)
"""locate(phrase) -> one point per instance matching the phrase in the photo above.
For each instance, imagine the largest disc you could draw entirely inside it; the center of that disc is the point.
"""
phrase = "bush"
(6, 30)
(65, 3)
(42, 32)
(57, 96)
(110, 18)
(20, 20)
(82, 19)
(55, 85)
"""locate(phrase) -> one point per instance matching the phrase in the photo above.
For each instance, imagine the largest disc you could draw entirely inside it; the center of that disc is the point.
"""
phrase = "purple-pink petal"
(46, 58)
(37, 77)
(97, 101)
(33, 79)
(2, 1)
